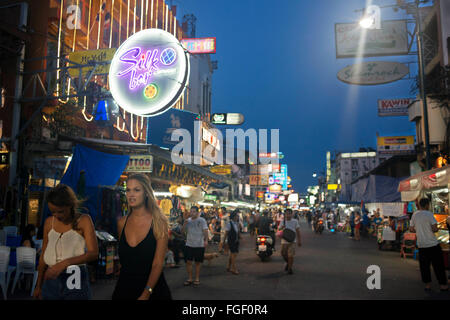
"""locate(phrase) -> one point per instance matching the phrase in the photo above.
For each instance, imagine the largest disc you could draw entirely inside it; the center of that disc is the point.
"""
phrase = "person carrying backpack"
(232, 235)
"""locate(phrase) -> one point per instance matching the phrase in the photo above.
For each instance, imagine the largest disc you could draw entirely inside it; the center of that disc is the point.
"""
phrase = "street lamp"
(372, 18)
(368, 23)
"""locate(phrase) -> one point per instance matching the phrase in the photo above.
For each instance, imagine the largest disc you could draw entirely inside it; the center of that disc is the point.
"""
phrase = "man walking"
(424, 225)
(224, 220)
(196, 230)
(288, 248)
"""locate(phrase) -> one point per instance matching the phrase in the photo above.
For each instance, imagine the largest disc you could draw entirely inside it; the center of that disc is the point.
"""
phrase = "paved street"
(327, 266)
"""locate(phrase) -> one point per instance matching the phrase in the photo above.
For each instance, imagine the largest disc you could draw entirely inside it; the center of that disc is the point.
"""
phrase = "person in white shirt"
(288, 248)
(196, 230)
(424, 225)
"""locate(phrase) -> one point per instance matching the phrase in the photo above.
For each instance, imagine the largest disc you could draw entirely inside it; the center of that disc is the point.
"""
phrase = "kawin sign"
(149, 72)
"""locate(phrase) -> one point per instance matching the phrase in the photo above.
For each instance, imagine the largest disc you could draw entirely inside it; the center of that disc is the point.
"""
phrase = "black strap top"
(137, 261)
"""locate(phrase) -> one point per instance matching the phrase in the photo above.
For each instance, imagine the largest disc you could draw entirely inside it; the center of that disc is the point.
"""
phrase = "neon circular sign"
(149, 72)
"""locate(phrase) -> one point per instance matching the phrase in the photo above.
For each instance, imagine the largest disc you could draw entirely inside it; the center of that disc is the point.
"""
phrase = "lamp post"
(367, 23)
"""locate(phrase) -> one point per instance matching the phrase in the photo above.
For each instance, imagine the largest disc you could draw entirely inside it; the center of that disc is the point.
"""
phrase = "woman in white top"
(69, 240)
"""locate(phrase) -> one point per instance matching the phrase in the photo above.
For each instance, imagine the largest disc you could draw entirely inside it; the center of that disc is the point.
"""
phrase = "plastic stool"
(415, 254)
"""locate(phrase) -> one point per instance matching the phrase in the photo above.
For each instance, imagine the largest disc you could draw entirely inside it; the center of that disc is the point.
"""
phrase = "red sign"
(394, 107)
(200, 45)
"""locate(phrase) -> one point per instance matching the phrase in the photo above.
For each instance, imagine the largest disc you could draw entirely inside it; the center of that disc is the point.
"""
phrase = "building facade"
(351, 166)
(436, 48)
(46, 108)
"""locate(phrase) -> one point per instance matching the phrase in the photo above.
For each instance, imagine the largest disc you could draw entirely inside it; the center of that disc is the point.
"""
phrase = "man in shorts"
(288, 248)
(196, 230)
(424, 224)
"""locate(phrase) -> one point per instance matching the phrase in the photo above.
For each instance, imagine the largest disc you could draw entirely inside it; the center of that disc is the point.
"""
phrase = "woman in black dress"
(143, 241)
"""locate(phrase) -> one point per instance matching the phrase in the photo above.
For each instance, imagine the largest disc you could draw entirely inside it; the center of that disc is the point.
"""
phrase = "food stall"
(435, 185)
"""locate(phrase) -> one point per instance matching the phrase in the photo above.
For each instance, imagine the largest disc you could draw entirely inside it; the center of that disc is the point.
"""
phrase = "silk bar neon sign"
(149, 72)
(142, 66)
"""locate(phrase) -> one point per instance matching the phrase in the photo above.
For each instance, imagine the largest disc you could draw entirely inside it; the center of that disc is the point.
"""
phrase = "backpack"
(232, 235)
(288, 234)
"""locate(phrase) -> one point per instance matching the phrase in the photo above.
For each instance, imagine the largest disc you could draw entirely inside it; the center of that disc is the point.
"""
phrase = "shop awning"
(410, 188)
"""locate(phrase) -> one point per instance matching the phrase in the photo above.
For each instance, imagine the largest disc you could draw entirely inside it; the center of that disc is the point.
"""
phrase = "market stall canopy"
(375, 189)
(410, 188)
(90, 169)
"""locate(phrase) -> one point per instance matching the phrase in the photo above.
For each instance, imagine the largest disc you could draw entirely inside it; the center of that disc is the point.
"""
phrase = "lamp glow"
(367, 22)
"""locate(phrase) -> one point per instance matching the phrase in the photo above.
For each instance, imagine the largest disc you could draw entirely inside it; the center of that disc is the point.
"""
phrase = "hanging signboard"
(160, 128)
(260, 194)
(293, 197)
(396, 145)
(91, 56)
(210, 197)
(227, 118)
(140, 163)
(275, 188)
(200, 45)
(394, 107)
(221, 169)
(281, 177)
(257, 180)
(352, 40)
(49, 168)
(373, 73)
(333, 187)
(149, 72)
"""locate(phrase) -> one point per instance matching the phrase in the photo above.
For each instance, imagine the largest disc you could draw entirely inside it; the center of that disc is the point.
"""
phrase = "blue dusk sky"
(277, 65)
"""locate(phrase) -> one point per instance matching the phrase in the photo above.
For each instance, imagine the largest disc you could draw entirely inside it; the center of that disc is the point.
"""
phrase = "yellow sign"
(138, 163)
(333, 186)
(389, 141)
(221, 170)
(90, 56)
(395, 145)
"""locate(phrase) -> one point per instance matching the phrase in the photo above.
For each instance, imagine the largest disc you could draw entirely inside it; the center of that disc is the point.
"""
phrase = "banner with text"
(394, 107)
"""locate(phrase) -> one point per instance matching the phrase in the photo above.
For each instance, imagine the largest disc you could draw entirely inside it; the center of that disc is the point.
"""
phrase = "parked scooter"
(264, 246)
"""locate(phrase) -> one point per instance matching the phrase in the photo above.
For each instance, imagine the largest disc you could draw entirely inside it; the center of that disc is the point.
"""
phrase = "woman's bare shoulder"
(122, 220)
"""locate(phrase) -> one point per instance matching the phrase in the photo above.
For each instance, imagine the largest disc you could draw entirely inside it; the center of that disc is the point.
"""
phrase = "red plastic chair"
(409, 242)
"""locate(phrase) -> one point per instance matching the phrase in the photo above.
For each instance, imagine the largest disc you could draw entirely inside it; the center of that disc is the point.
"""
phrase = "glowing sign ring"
(149, 57)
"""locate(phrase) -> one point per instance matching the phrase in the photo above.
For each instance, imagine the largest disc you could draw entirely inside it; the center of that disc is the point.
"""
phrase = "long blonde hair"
(160, 222)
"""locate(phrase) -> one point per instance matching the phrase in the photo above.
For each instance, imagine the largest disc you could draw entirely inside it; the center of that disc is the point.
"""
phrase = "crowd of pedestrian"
(149, 241)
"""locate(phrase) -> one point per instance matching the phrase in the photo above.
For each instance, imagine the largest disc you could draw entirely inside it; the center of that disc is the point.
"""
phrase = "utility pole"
(423, 95)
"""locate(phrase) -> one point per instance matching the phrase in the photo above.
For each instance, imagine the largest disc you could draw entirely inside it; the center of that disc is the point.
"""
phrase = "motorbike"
(331, 226)
(319, 226)
(264, 246)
